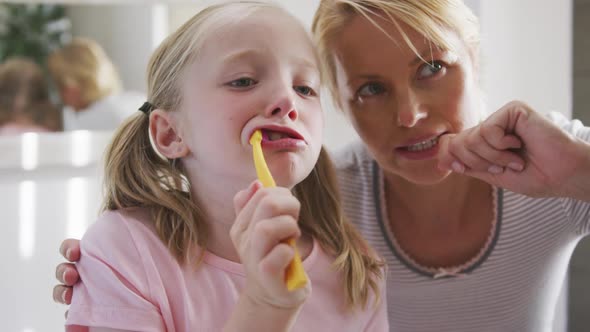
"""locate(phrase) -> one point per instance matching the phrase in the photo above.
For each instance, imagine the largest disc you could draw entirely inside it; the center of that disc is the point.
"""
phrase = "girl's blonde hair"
(431, 18)
(84, 63)
(137, 177)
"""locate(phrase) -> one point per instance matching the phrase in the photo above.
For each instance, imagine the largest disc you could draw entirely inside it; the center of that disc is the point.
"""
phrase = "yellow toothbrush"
(295, 276)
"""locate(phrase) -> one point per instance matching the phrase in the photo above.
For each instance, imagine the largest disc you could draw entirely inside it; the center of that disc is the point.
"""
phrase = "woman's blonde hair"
(84, 63)
(431, 18)
(137, 177)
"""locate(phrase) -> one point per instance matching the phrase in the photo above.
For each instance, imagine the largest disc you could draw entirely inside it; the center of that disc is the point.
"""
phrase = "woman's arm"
(523, 151)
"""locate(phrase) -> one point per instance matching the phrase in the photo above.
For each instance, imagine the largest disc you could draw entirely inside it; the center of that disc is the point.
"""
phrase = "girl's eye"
(430, 69)
(371, 89)
(242, 82)
(304, 90)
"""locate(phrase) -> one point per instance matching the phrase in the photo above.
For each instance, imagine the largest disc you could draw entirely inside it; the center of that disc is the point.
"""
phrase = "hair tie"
(147, 107)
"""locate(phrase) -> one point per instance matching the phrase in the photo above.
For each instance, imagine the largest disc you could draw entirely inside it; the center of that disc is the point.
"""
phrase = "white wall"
(527, 52)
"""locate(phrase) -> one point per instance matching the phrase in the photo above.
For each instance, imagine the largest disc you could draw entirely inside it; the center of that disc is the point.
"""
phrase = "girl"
(171, 253)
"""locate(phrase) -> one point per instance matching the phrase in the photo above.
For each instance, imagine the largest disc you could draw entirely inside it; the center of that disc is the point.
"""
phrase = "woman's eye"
(430, 69)
(371, 89)
(304, 90)
(242, 82)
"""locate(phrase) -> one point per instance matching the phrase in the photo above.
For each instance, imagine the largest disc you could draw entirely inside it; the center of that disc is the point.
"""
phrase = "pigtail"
(135, 176)
(322, 217)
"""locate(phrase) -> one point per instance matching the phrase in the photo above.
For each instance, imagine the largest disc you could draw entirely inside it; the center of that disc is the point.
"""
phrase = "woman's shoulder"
(572, 126)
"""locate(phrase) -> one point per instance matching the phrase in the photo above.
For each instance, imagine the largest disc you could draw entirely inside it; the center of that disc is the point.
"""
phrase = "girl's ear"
(165, 135)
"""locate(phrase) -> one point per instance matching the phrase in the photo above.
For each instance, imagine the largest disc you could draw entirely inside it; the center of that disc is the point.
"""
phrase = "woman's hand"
(266, 219)
(520, 150)
(66, 273)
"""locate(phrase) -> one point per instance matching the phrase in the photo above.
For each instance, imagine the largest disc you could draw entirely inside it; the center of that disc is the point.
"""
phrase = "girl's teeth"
(423, 145)
(273, 136)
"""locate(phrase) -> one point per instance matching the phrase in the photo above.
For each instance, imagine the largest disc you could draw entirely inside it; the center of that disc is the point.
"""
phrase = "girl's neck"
(439, 205)
(216, 201)
(217, 204)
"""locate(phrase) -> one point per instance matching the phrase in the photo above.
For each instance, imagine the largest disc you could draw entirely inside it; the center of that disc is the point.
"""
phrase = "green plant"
(32, 30)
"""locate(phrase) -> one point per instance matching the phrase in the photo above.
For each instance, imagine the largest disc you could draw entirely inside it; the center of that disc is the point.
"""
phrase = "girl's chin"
(288, 180)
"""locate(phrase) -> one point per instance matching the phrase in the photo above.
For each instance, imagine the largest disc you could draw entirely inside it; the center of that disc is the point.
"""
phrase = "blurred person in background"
(90, 87)
(24, 99)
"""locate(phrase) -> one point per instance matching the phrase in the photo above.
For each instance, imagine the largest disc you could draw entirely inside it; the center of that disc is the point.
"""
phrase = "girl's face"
(399, 104)
(259, 73)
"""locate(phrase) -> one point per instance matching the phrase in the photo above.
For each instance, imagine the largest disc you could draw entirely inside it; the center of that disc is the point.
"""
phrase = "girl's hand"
(266, 218)
(517, 149)
(66, 273)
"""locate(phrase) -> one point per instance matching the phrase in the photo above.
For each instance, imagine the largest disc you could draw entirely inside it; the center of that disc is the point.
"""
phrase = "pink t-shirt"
(130, 281)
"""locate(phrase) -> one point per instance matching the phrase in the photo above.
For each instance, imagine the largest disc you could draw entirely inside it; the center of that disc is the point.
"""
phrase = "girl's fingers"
(269, 233)
(245, 203)
(244, 196)
(277, 260)
(279, 202)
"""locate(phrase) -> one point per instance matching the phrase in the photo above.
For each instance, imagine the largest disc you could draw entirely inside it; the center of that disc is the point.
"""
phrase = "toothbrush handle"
(295, 276)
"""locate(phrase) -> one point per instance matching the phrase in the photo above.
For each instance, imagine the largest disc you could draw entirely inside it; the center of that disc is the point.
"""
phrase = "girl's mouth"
(278, 137)
(271, 135)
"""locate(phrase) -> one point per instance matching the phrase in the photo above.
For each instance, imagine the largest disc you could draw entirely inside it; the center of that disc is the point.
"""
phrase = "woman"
(467, 250)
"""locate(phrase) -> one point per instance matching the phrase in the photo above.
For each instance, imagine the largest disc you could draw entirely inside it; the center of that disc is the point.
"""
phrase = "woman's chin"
(432, 178)
(424, 177)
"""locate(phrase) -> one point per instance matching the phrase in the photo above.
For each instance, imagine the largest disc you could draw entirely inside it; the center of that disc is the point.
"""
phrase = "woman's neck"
(438, 205)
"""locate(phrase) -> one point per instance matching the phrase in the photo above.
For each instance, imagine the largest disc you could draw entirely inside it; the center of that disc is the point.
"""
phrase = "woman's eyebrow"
(425, 55)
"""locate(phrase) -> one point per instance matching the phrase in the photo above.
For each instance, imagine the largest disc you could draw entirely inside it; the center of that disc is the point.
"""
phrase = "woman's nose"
(409, 111)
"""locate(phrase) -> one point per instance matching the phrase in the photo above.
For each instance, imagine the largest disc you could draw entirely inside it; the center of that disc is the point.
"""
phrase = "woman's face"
(398, 103)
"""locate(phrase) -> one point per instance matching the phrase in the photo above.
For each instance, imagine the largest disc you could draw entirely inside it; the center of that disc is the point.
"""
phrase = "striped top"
(513, 285)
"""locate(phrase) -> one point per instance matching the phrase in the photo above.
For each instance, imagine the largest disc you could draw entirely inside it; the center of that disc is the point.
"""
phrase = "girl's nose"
(283, 106)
